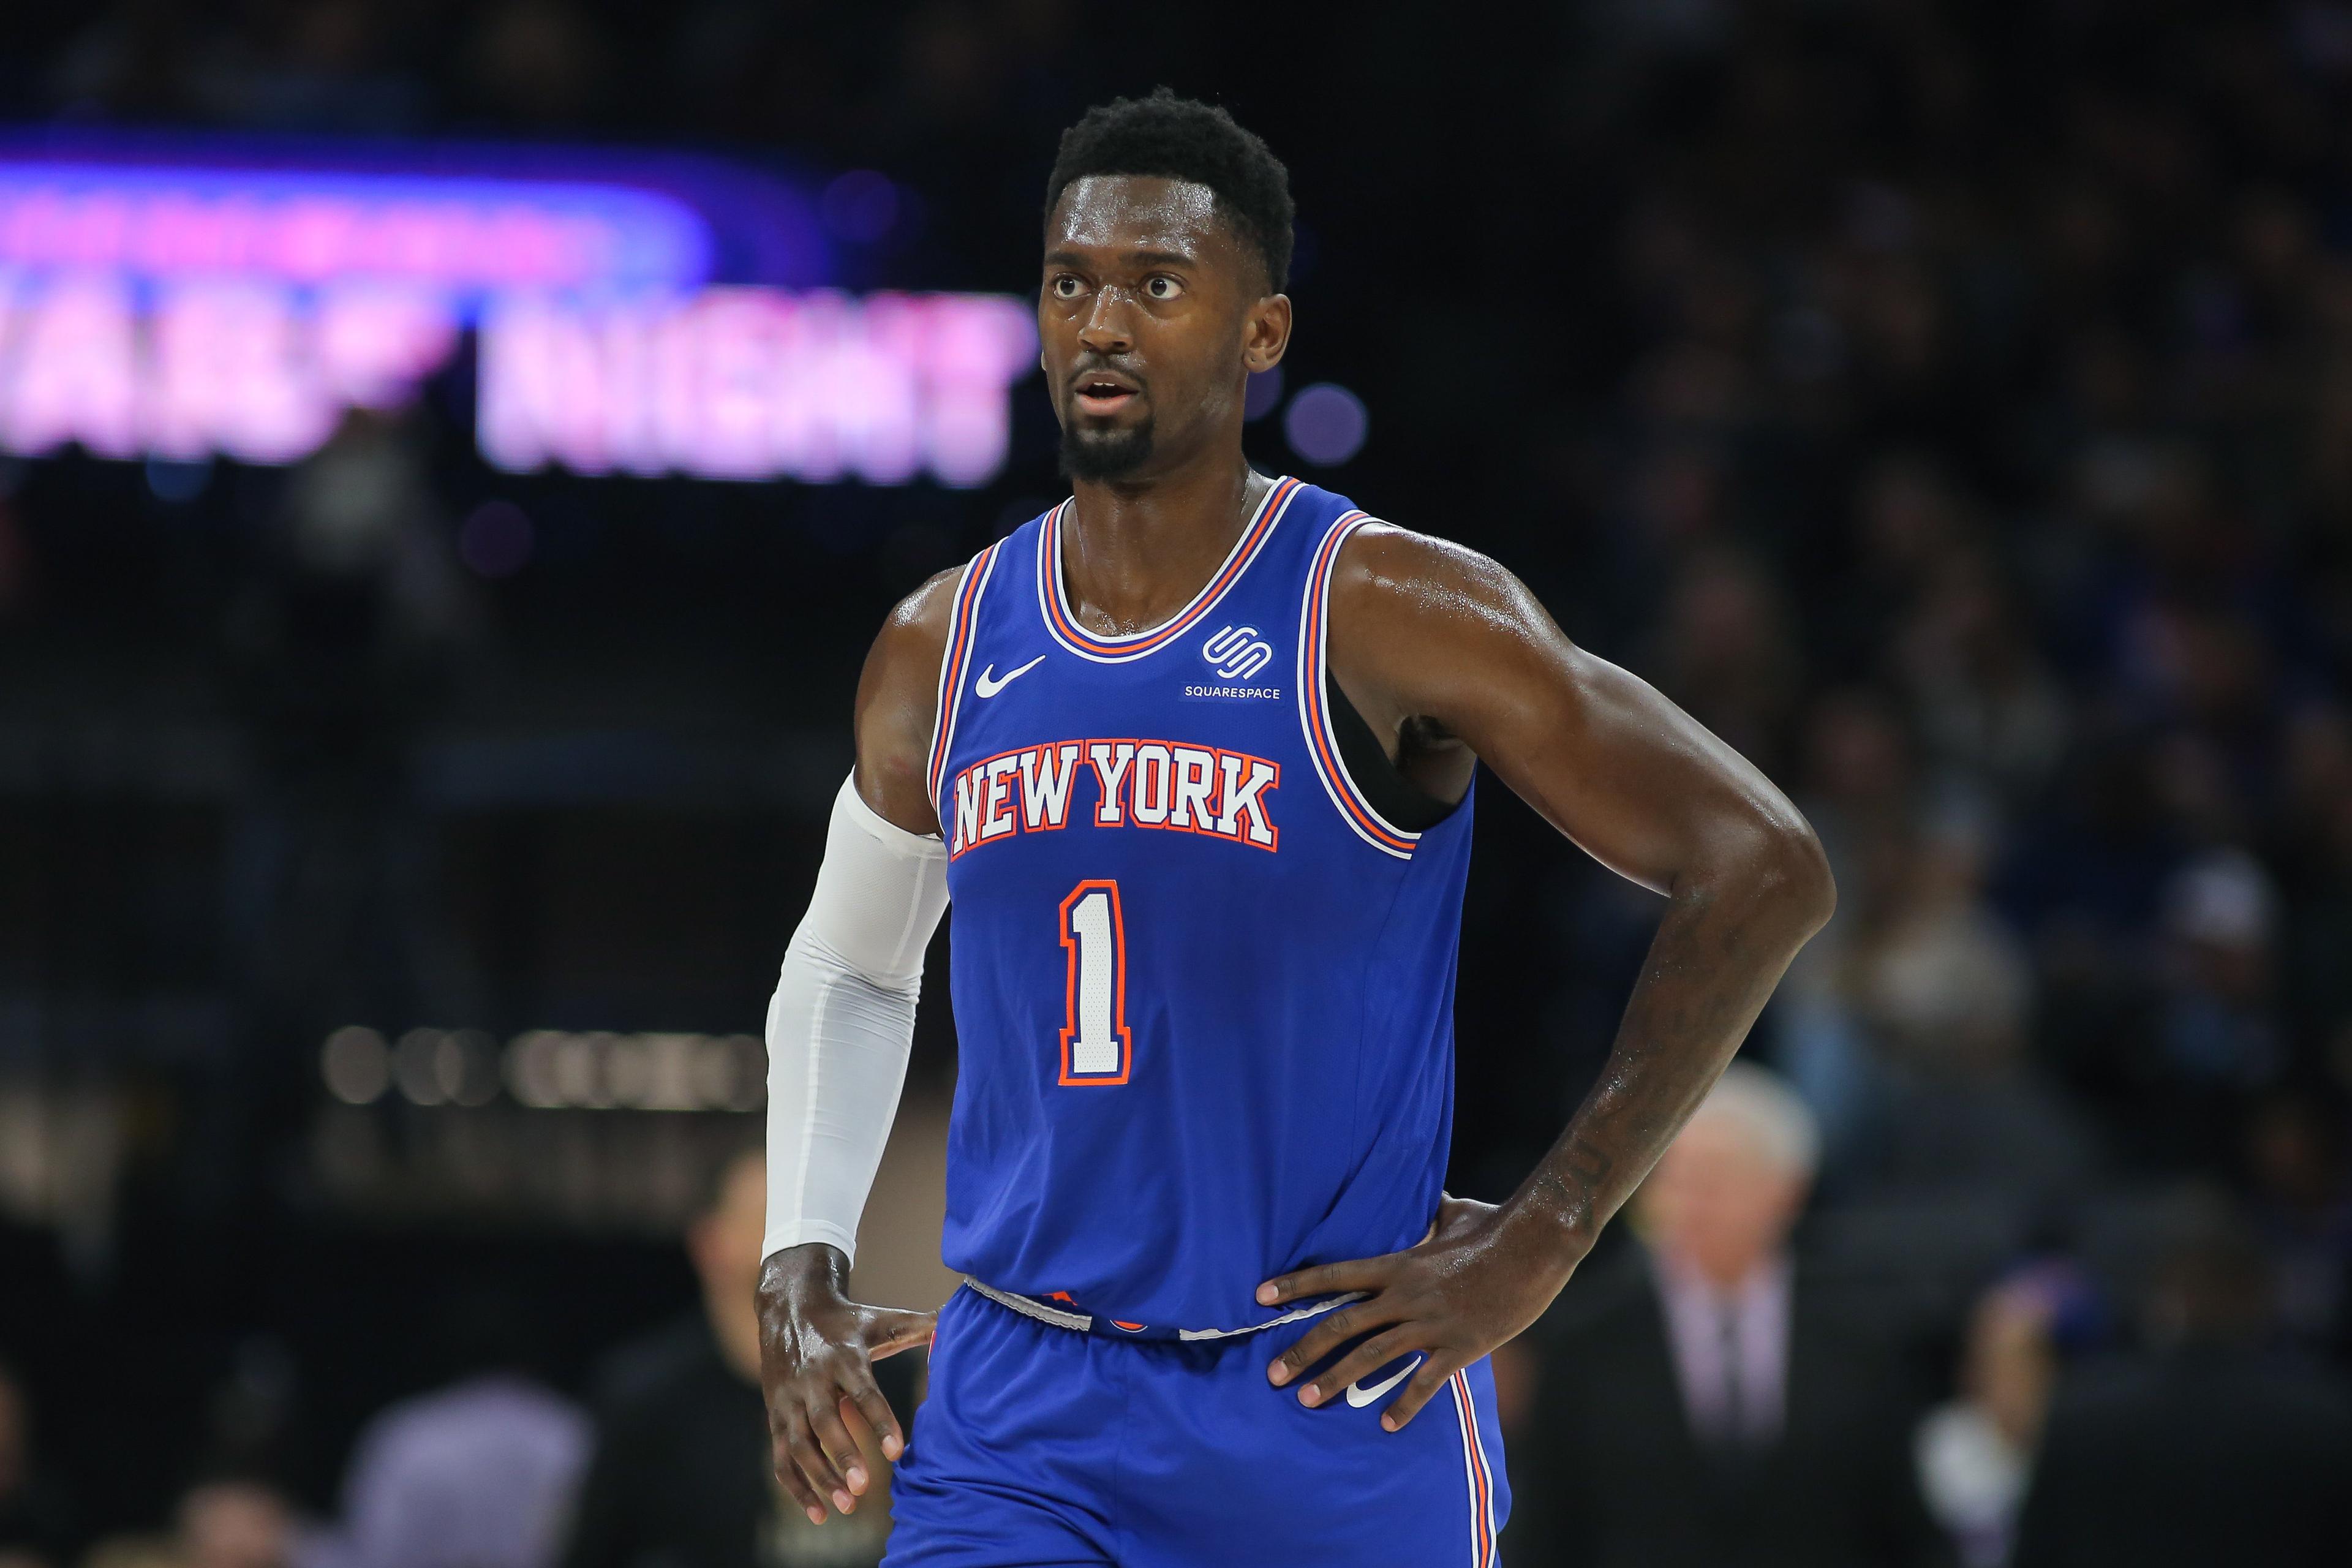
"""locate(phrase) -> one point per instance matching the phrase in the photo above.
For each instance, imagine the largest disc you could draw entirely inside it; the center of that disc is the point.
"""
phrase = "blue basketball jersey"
(1204, 990)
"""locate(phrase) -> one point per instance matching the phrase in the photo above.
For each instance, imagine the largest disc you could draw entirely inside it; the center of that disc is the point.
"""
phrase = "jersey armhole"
(1378, 779)
(1317, 708)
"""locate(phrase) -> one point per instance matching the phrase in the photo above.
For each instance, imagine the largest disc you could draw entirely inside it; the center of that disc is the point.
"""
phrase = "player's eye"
(1162, 286)
(1066, 286)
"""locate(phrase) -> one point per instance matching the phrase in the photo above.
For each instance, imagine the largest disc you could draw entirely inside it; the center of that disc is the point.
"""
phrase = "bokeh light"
(1325, 423)
(356, 1065)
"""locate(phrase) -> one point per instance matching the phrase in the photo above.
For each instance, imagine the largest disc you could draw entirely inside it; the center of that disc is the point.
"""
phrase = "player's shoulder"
(913, 636)
(1386, 573)
(897, 701)
(926, 611)
(1380, 552)
(919, 625)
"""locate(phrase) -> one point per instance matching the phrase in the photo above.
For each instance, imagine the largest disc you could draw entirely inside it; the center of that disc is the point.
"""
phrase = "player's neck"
(1135, 553)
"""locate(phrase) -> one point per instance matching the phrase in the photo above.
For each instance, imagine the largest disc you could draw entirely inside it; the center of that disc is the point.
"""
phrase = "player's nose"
(1106, 329)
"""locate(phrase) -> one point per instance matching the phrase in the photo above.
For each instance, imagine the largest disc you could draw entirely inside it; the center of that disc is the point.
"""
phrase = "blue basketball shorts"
(1039, 1446)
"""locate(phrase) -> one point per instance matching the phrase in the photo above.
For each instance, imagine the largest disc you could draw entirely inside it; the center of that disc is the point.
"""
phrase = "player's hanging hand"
(1470, 1285)
(817, 1350)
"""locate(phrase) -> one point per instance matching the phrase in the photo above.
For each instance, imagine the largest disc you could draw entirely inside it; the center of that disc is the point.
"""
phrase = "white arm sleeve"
(843, 1021)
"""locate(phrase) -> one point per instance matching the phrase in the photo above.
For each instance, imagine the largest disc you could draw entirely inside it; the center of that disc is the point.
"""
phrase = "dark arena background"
(454, 459)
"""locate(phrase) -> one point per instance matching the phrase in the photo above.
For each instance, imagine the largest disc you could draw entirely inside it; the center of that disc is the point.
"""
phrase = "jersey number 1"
(1096, 1046)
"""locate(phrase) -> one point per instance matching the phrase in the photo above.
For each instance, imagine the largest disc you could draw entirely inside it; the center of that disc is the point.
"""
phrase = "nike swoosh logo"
(1358, 1396)
(986, 684)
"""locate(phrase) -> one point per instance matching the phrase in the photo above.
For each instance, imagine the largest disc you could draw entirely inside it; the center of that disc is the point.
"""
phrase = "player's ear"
(1265, 334)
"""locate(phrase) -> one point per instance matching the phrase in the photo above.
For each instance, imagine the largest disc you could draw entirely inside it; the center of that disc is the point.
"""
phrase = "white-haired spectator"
(1761, 1100)
(1704, 1407)
(1718, 1209)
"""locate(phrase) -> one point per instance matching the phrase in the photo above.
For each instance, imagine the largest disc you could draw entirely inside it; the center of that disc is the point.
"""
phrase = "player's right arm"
(839, 1030)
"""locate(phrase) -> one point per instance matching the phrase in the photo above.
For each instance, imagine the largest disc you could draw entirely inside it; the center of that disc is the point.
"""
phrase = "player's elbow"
(1770, 866)
(1793, 875)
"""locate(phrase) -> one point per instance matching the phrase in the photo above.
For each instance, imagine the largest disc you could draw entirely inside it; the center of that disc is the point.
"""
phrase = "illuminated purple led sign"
(637, 313)
(457, 236)
(749, 383)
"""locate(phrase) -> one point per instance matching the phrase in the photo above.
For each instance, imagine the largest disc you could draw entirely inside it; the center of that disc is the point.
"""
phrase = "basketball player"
(1193, 753)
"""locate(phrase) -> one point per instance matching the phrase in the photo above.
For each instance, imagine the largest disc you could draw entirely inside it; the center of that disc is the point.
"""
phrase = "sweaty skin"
(1152, 312)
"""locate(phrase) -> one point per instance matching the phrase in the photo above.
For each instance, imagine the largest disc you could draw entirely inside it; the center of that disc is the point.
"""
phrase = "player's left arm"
(1435, 640)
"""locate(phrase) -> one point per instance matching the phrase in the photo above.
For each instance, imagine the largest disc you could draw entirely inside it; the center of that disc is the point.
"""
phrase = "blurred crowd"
(667, 1462)
(1989, 491)
(1950, 404)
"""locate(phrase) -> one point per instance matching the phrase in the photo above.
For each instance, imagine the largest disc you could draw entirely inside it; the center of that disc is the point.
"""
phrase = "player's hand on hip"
(1470, 1285)
(817, 1350)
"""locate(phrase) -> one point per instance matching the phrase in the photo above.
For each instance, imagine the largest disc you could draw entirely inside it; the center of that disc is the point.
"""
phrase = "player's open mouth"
(1104, 393)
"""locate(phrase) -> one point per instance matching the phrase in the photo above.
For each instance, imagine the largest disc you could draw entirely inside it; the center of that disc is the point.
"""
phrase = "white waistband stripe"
(1083, 1322)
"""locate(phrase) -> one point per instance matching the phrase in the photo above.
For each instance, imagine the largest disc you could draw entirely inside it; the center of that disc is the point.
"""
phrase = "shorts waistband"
(1115, 1329)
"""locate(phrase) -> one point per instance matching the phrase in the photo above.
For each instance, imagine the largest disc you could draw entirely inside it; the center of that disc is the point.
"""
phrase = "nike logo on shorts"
(1358, 1396)
(986, 683)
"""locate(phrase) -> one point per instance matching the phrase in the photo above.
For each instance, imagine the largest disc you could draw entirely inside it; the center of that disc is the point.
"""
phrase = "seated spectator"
(229, 1521)
(235, 1523)
(32, 1523)
(2303, 1211)
(1994, 718)
(682, 1474)
(1941, 981)
(1860, 795)
(480, 1474)
(2206, 1451)
(1702, 1407)
(1946, 991)
(1976, 1452)
(2217, 1027)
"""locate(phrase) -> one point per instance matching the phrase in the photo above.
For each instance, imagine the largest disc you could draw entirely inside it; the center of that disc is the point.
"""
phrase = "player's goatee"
(1105, 454)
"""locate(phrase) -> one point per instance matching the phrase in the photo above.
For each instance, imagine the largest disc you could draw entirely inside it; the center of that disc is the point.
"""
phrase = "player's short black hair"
(1184, 139)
